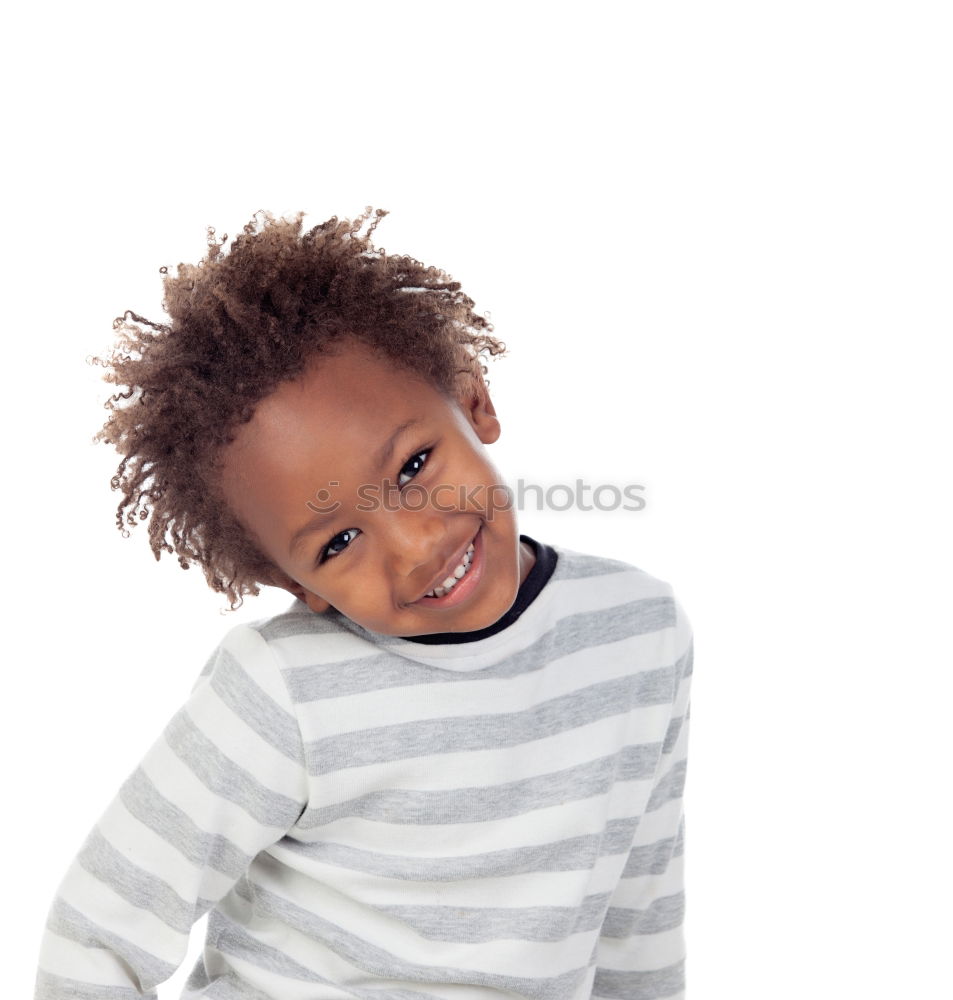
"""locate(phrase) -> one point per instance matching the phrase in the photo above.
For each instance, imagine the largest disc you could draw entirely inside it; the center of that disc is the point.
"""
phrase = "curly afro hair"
(240, 324)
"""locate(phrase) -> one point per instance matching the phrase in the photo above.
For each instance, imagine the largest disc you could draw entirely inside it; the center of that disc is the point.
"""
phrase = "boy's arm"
(224, 781)
(641, 949)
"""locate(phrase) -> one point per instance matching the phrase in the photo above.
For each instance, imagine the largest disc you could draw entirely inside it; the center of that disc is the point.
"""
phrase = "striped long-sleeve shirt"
(369, 816)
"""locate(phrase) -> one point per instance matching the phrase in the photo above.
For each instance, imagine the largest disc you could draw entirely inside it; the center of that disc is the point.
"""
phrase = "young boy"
(454, 767)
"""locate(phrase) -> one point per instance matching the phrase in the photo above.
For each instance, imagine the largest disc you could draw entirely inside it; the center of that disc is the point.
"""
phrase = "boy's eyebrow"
(386, 451)
(381, 459)
(318, 521)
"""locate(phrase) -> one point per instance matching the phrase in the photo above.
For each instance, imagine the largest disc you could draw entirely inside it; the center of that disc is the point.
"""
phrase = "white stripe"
(302, 652)
(61, 957)
(660, 824)
(101, 905)
(525, 890)
(642, 953)
(271, 984)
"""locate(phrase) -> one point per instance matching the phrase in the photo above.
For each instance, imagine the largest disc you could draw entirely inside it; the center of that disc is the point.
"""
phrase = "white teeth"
(458, 574)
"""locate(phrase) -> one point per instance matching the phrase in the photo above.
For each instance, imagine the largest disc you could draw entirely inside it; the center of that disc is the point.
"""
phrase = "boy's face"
(365, 486)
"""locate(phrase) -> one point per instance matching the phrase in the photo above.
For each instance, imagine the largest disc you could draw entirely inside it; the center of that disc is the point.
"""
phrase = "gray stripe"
(653, 859)
(255, 708)
(221, 775)
(210, 663)
(68, 922)
(232, 939)
(687, 660)
(679, 847)
(671, 736)
(579, 566)
(296, 622)
(571, 634)
(572, 854)
(386, 965)
(478, 924)
(665, 914)
(50, 987)
(455, 734)
(670, 787)
(175, 827)
(655, 985)
(142, 889)
(477, 805)
(370, 673)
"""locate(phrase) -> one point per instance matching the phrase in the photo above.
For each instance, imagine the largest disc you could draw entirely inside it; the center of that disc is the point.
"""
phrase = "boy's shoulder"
(298, 618)
(619, 600)
(605, 596)
(611, 574)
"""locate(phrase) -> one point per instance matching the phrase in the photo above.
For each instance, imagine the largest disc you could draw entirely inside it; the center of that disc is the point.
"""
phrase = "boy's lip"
(448, 568)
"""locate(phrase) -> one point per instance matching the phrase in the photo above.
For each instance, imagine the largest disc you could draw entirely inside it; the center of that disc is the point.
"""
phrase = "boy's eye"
(339, 543)
(412, 467)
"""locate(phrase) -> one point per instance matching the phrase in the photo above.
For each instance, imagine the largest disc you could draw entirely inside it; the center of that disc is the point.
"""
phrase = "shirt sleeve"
(225, 780)
(641, 948)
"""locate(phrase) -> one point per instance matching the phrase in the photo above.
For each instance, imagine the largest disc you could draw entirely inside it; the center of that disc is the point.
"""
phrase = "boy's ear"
(282, 580)
(474, 399)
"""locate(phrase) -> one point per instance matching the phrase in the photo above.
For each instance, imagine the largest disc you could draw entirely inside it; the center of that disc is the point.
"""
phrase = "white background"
(717, 239)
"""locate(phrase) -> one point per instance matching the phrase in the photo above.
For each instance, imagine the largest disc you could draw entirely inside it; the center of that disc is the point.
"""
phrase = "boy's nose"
(416, 538)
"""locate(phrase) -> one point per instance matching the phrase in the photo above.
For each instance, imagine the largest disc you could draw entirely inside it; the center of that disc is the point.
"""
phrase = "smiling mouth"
(457, 574)
(459, 580)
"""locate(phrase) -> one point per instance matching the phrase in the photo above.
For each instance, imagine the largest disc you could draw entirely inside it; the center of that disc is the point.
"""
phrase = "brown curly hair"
(240, 324)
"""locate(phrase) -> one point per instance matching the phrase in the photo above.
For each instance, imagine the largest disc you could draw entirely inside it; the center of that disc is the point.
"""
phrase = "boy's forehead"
(332, 394)
(342, 413)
